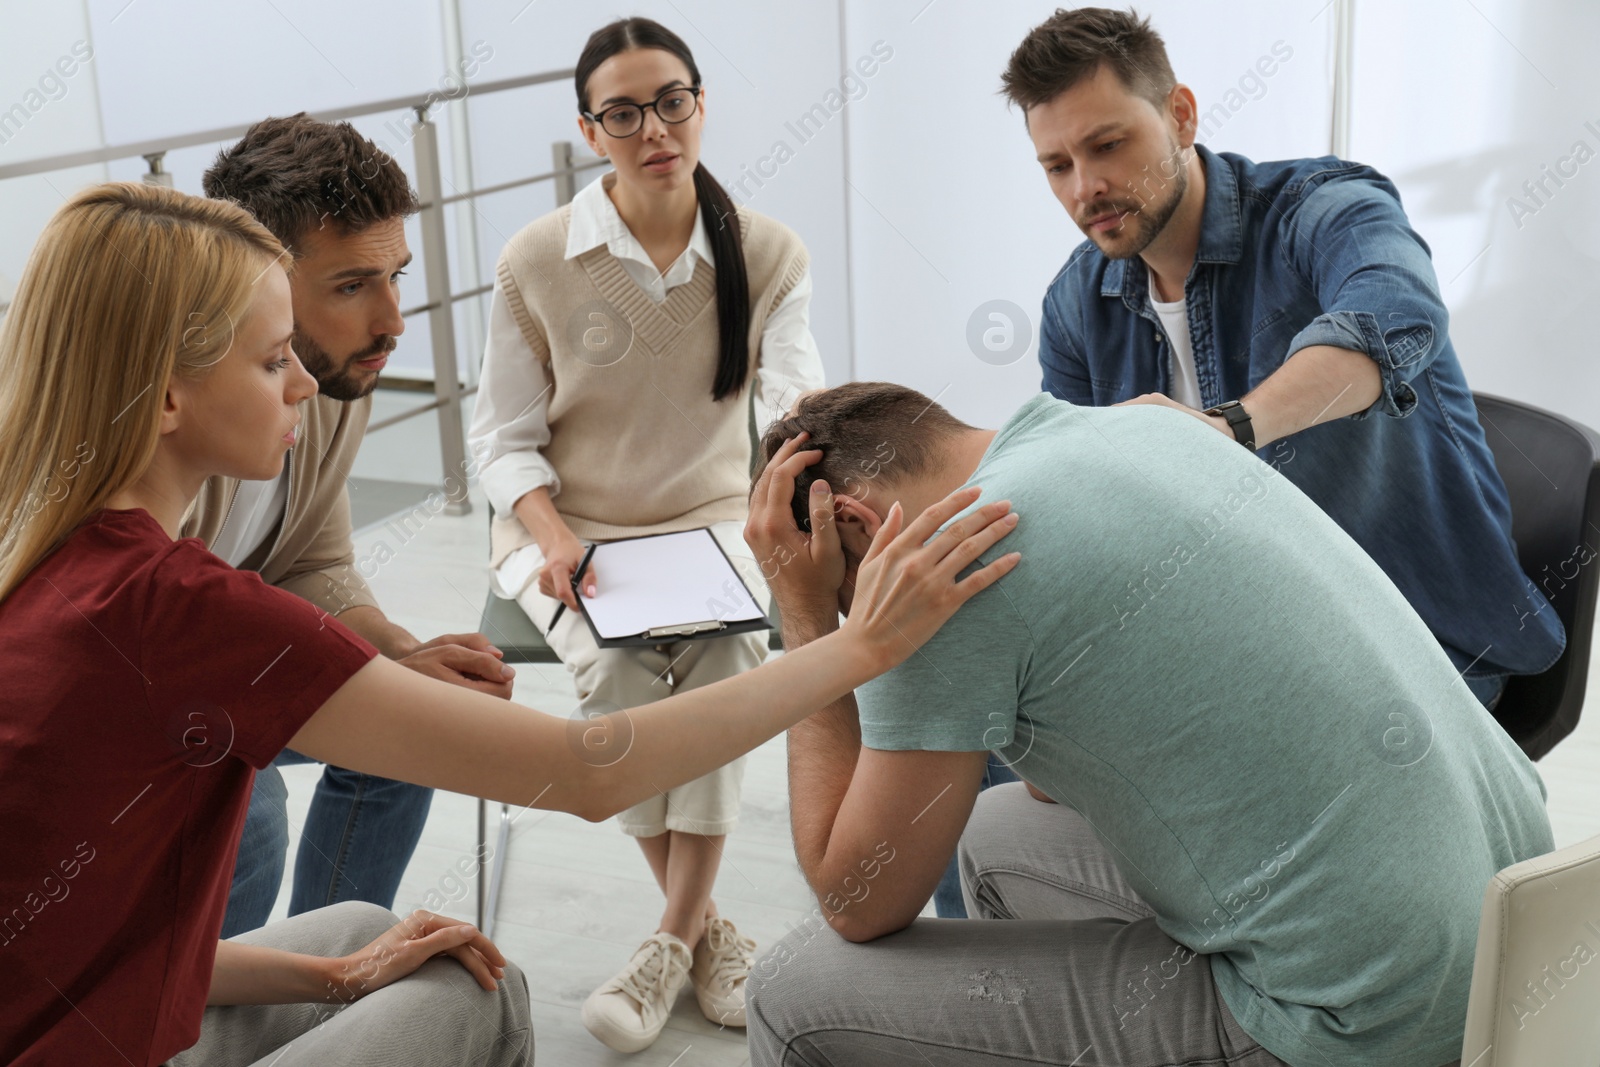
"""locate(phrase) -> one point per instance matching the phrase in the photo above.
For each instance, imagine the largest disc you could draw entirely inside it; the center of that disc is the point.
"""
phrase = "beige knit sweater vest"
(635, 437)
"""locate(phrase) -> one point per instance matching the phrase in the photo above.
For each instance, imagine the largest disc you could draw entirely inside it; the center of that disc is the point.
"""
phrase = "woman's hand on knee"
(409, 944)
(1038, 794)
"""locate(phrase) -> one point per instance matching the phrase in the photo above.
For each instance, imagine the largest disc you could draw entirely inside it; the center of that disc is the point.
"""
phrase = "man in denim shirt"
(1291, 306)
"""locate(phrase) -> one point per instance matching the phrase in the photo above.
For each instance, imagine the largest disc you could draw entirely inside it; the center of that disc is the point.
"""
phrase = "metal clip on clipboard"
(687, 628)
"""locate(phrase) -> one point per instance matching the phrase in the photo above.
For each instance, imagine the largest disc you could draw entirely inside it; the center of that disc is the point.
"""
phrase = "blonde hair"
(129, 285)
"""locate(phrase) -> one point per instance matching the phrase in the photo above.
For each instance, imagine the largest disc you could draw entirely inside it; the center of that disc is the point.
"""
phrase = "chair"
(508, 626)
(1551, 468)
(1535, 999)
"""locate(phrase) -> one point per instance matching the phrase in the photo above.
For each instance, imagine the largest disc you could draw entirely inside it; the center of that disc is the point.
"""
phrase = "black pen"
(577, 576)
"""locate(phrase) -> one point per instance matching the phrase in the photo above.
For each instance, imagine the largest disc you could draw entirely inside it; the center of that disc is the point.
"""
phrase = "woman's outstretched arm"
(393, 722)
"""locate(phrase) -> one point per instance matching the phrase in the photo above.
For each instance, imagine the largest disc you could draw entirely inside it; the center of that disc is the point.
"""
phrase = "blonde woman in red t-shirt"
(147, 349)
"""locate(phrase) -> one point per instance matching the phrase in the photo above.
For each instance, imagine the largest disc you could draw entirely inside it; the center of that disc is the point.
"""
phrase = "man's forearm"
(1315, 385)
(256, 974)
(822, 755)
(394, 641)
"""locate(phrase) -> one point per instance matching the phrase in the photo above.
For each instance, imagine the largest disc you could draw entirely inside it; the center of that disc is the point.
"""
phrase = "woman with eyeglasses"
(628, 332)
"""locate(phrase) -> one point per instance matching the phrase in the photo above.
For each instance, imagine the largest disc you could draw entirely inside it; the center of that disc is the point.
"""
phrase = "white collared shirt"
(512, 419)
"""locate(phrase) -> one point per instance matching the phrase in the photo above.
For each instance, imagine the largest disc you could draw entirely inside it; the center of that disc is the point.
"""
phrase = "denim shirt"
(1320, 252)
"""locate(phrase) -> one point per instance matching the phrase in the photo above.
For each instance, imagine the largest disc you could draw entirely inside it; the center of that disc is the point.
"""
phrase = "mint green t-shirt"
(1280, 757)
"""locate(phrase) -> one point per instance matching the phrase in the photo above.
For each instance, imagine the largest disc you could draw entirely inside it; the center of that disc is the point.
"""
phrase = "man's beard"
(1152, 216)
(337, 379)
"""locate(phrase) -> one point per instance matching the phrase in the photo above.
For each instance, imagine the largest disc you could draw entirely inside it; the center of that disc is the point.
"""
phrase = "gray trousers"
(437, 1015)
(1081, 976)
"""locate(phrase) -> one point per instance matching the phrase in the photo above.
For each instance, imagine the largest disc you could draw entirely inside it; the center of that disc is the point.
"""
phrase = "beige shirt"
(510, 424)
(636, 440)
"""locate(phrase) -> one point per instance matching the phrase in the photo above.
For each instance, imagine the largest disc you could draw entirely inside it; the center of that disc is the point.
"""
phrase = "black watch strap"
(1238, 421)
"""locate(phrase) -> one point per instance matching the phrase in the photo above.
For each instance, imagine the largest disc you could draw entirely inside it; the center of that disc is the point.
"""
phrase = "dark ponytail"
(733, 283)
(717, 209)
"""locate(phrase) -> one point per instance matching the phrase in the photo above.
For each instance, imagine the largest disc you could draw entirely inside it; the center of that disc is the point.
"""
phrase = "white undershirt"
(257, 509)
(1175, 318)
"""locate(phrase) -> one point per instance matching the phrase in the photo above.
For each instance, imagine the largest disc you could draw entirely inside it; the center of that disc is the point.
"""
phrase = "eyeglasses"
(672, 107)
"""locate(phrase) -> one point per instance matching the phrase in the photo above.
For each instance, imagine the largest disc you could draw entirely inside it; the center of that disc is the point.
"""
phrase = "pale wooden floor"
(578, 897)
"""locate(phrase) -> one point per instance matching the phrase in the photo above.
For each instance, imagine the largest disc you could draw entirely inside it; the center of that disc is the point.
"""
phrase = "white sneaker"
(627, 1012)
(721, 965)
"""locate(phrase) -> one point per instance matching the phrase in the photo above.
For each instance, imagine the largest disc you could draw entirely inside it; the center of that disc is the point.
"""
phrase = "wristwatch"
(1238, 421)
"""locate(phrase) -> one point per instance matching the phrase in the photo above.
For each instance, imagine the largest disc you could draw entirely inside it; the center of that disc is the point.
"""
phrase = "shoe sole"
(733, 1019)
(614, 1038)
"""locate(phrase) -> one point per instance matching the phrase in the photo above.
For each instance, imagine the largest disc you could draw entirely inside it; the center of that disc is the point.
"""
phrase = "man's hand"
(403, 948)
(467, 660)
(803, 570)
(1216, 422)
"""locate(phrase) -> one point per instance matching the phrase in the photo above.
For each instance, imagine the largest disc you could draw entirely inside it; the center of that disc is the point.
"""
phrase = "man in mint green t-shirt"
(1277, 804)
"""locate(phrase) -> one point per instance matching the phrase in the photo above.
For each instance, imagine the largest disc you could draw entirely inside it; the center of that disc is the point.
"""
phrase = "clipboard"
(662, 588)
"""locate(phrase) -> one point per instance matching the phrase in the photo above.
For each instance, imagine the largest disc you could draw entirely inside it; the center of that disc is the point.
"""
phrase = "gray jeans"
(436, 1015)
(1082, 976)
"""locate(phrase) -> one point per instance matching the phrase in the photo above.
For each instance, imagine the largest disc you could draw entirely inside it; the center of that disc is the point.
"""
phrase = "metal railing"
(448, 390)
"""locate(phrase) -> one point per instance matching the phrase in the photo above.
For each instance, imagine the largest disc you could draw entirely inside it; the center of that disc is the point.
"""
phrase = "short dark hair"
(1072, 45)
(296, 174)
(867, 432)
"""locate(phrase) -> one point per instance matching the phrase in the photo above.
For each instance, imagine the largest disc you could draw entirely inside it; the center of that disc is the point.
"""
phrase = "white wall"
(42, 113)
(1462, 104)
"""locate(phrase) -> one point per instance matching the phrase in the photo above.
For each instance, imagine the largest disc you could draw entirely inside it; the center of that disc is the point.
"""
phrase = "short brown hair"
(1071, 45)
(868, 432)
(296, 174)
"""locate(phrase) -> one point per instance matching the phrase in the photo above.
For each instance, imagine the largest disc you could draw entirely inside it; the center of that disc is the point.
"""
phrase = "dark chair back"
(1551, 467)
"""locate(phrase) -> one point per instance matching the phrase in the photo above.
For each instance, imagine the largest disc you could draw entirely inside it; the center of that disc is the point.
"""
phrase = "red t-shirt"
(144, 683)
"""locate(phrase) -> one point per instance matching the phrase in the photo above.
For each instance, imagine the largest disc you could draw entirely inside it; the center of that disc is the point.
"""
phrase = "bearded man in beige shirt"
(339, 204)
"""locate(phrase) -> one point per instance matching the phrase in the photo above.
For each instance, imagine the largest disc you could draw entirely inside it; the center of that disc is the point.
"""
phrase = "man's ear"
(858, 524)
(1184, 112)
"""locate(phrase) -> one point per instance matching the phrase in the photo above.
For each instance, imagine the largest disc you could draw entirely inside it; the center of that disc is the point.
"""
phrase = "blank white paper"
(668, 580)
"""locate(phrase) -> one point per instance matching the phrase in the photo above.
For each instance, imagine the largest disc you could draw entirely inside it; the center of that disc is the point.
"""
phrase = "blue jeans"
(358, 838)
(947, 902)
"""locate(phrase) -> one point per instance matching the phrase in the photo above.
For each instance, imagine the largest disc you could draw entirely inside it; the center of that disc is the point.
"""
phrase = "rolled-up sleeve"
(790, 363)
(510, 422)
(1374, 278)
